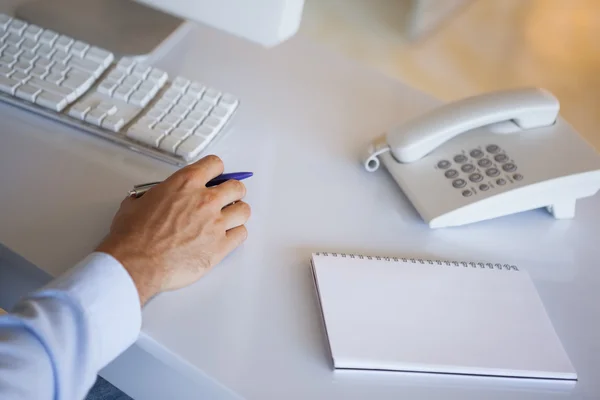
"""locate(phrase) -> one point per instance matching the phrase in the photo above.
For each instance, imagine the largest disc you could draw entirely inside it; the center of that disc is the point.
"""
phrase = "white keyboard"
(130, 103)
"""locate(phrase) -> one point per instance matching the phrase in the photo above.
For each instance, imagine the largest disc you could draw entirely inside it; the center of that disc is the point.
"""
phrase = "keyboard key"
(74, 82)
(30, 45)
(211, 96)
(107, 87)
(205, 131)
(19, 76)
(113, 123)
(4, 70)
(163, 127)
(54, 77)
(17, 26)
(44, 63)
(52, 101)
(116, 75)
(79, 48)
(158, 76)
(4, 21)
(61, 56)
(28, 92)
(45, 50)
(156, 113)
(150, 87)
(50, 87)
(145, 135)
(79, 110)
(14, 39)
(196, 89)
(108, 108)
(172, 119)
(220, 112)
(28, 56)
(38, 72)
(170, 143)
(146, 121)
(196, 116)
(12, 51)
(172, 95)
(123, 92)
(59, 68)
(187, 100)
(213, 122)
(132, 81)
(141, 71)
(140, 98)
(8, 85)
(191, 147)
(187, 125)
(86, 65)
(64, 43)
(125, 64)
(48, 37)
(23, 66)
(100, 56)
(203, 106)
(95, 117)
(7, 60)
(180, 84)
(228, 100)
(179, 110)
(33, 32)
(180, 133)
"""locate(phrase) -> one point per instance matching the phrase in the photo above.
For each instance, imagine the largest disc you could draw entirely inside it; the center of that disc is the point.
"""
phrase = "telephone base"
(563, 210)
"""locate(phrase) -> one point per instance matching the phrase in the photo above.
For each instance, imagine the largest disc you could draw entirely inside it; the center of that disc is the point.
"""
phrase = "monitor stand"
(124, 27)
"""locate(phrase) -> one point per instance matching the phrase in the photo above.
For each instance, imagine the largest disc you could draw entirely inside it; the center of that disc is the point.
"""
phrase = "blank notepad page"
(428, 316)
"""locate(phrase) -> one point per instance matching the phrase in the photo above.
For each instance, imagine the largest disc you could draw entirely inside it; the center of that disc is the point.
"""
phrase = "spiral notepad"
(403, 314)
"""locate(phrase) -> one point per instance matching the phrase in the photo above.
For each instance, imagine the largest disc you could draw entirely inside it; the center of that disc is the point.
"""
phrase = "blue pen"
(139, 190)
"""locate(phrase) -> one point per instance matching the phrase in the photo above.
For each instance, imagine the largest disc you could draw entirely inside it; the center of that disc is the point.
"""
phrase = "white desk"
(252, 325)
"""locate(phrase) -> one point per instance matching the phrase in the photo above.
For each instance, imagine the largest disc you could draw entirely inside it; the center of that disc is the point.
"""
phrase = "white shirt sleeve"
(55, 341)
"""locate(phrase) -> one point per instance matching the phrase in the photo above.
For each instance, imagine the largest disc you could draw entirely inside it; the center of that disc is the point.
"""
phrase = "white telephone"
(488, 156)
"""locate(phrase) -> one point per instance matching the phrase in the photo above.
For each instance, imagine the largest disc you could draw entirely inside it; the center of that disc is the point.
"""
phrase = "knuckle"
(238, 187)
(212, 159)
(209, 197)
(243, 233)
(187, 175)
(246, 209)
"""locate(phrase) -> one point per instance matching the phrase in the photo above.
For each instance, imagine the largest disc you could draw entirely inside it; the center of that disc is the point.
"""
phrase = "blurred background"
(456, 48)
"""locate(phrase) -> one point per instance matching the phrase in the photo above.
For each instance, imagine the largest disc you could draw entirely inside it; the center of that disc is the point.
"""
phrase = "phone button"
(476, 153)
(443, 164)
(467, 193)
(492, 148)
(501, 158)
(484, 187)
(468, 168)
(492, 172)
(459, 183)
(509, 167)
(451, 173)
(484, 163)
(460, 159)
(501, 181)
(476, 177)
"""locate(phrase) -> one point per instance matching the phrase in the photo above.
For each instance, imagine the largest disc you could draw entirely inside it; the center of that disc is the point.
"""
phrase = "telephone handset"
(487, 156)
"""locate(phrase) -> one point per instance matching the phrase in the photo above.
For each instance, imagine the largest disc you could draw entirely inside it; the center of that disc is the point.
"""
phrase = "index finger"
(199, 173)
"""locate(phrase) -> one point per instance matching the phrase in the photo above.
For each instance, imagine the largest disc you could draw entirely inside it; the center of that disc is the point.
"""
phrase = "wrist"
(146, 279)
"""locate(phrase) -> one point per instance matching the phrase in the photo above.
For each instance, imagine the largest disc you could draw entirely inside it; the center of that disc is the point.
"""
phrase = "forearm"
(55, 341)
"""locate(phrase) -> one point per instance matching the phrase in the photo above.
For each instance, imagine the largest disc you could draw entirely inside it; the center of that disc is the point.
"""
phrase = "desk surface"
(252, 324)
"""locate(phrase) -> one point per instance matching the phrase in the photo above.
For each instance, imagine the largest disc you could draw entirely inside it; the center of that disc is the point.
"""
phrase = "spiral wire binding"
(504, 267)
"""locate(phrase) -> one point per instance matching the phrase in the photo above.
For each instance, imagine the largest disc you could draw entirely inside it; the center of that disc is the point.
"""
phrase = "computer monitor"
(148, 27)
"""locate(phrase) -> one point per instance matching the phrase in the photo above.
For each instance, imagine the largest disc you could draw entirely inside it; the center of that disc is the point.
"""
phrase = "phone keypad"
(480, 170)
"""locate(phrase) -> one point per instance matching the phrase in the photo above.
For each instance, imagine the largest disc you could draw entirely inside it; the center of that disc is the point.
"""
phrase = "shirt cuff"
(110, 301)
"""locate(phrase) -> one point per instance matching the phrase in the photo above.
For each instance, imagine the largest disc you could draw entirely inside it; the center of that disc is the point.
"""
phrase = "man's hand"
(179, 229)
